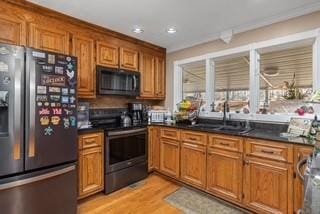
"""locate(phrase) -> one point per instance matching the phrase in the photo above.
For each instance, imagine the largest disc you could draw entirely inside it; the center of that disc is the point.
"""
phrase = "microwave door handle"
(134, 82)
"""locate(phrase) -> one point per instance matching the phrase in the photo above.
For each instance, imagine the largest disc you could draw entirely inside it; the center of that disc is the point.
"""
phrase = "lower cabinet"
(256, 174)
(154, 148)
(224, 174)
(193, 164)
(170, 157)
(300, 153)
(268, 186)
(91, 164)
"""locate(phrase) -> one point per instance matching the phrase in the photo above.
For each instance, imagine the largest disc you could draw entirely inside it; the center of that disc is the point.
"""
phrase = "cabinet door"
(298, 187)
(193, 164)
(90, 171)
(49, 39)
(150, 149)
(129, 59)
(268, 186)
(160, 78)
(169, 157)
(154, 148)
(83, 48)
(224, 174)
(13, 30)
(107, 55)
(147, 69)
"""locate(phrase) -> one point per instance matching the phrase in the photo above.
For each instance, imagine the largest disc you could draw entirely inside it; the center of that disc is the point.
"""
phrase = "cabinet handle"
(195, 146)
(246, 162)
(192, 138)
(191, 145)
(267, 151)
(225, 144)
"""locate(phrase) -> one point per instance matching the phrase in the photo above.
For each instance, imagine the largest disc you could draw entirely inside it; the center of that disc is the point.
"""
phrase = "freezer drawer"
(53, 192)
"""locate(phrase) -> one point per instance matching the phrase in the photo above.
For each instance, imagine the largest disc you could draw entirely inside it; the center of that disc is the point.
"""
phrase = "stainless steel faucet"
(225, 110)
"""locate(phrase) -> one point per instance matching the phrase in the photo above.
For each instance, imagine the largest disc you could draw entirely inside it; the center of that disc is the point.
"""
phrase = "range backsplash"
(117, 102)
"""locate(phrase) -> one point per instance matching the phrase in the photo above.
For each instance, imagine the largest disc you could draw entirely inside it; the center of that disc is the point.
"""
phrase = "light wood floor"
(147, 198)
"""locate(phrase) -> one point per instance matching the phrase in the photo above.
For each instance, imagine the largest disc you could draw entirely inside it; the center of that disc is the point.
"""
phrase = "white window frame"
(254, 73)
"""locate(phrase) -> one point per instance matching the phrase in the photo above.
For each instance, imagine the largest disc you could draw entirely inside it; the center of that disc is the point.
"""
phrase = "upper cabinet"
(160, 78)
(107, 55)
(129, 59)
(152, 70)
(27, 25)
(13, 30)
(83, 49)
(48, 38)
(147, 70)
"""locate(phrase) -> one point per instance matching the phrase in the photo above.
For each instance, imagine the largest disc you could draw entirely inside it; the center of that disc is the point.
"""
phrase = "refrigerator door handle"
(17, 114)
(37, 178)
(30, 107)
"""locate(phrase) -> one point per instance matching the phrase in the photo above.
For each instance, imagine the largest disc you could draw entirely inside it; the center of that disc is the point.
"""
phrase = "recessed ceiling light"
(171, 30)
(137, 30)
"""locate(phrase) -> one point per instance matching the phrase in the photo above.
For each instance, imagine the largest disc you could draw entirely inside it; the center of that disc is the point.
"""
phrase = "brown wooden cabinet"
(83, 49)
(107, 55)
(147, 70)
(224, 174)
(91, 164)
(13, 30)
(152, 70)
(300, 152)
(193, 164)
(160, 78)
(268, 186)
(170, 157)
(48, 38)
(129, 59)
(154, 148)
(225, 166)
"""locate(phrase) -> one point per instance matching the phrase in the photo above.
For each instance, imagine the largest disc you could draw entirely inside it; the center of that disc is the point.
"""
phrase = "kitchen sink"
(206, 126)
(225, 128)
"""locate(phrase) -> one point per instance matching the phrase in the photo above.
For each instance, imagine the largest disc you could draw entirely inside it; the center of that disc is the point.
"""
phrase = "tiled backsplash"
(117, 102)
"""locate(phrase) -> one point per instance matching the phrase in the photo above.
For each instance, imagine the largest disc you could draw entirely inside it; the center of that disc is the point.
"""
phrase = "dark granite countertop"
(258, 133)
(109, 128)
(264, 132)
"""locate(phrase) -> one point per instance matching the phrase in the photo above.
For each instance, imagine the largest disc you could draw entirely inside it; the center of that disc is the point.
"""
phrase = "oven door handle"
(299, 166)
(125, 132)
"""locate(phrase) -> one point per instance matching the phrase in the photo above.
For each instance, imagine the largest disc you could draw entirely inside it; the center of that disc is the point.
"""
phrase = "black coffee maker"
(136, 113)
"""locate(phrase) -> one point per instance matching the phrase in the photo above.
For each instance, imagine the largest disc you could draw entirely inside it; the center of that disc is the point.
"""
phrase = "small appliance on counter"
(83, 115)
(136, 112)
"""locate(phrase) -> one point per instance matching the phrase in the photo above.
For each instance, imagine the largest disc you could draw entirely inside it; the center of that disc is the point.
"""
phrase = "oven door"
(125, 148)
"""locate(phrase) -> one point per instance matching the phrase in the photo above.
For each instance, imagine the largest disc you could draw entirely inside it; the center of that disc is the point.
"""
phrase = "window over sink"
(271, 80)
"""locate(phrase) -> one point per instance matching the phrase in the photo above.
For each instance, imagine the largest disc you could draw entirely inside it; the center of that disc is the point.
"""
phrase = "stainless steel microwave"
(117, 82)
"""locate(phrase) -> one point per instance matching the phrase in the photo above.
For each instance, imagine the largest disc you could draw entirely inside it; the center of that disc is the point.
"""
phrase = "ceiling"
(195, 21)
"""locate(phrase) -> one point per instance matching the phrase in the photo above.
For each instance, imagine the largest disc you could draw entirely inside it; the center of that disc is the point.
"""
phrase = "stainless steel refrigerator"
(38, 132)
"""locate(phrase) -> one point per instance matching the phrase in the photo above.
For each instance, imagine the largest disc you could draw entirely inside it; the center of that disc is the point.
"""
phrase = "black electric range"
(126, 149)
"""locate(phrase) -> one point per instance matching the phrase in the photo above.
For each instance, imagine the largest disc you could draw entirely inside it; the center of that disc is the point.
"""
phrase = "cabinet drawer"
(173, 134)
(269, 149)
(90, 140)
(194, 137)
(234, 144)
